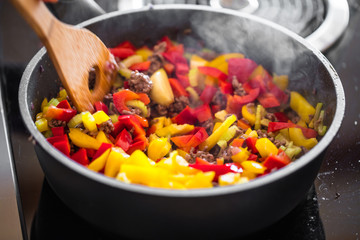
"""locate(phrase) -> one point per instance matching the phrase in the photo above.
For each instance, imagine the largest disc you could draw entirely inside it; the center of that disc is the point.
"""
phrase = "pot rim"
(261, 181)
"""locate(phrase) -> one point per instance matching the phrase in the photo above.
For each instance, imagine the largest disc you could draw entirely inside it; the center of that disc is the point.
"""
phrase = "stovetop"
(331, 210)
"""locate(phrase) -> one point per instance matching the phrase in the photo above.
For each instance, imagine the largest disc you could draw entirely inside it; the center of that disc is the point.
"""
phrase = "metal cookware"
(142, 212)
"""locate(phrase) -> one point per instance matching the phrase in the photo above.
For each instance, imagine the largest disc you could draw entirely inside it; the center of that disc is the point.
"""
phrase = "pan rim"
(253, 184)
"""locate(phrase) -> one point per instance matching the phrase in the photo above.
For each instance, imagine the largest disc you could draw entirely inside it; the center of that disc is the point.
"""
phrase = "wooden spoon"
(73, 52)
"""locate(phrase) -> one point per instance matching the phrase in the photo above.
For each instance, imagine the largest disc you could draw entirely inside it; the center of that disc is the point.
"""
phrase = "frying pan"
(226, 212)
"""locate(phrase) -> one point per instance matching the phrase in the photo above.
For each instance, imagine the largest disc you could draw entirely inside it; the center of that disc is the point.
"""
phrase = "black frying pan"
(224, 212)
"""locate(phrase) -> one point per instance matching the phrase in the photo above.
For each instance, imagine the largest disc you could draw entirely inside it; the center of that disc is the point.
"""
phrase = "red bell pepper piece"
(177, 88)
(275, 126)
(63, 146)
(250, 142)
(55, 139)
(166, 39)
(276, 162)
(207, 94)
(258, 82)
(124, 140)
(64, 104)
(181, 141)
(253, 157)
(241, 68)
(120, 98)
(179, 48)
(122, 52)
(181, 68)
(169, 68)
(126, 44)
(281, 117)
(118, 127)
(213, 72)
(203, 113)
(185, 116)
(144, 98)
(103, 147)
(243, 125)
(81, 157)
(174, 57)
(90, 152)
(60, 113)
(280, 95)
(143, 66)
(126, 85)
(100, 106)
(226, 87)
(237, 142)
(131, 122)
(218, 169)
(143, 121)
(58, 131)
(215, 108)
(235, 103)
(268, 100)
(139, 145)
(183, 80)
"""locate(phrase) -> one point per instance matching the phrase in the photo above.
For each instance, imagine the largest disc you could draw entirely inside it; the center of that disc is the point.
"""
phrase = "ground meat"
(107, 127)
(279, 143)
(238, 87)
(131, 111)
(226, 154)
(208, 125)
(208, 55)
(160, 110)
(157, 62)
(140, 83)
(219, 99)
(178, 105)
(56, 123)
(191, 156)
(93, 134)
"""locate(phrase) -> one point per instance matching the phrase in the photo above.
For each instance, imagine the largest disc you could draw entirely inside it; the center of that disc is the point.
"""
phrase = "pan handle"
(75, 11)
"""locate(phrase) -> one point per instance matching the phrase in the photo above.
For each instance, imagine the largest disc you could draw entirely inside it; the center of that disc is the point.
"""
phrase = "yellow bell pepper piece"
(282, 81)
(144, 53)
(116, 157)
(62, 95)
(99, 163)
(196, 61)
(150, 176)
(216, 126)
(253, 166)
(122, 177)
(39, 116)
(167, 122)
(42, 124)
(224, 67)
(248, 112)
(241, 156)
(83, 140)
(100, 117)
(211, 81)
(193, 94)
(231, 178)
(266, 147)
(221, 115)
(44, 103)
(139, 158)
(301, 106)
(223, 58)
(201, 180)
(260, 113)
(229, 134)
(89, 122)
(210, 142)
(102, 138)
(249, 175)
(174, 129)
(76, 120)
(158, 148)
(196, 78)
(299, 139)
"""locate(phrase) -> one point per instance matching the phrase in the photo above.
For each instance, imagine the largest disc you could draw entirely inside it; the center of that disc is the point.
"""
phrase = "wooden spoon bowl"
(74, 52)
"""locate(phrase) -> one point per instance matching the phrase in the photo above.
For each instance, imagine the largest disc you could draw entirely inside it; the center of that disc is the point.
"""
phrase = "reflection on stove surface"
(54, 220)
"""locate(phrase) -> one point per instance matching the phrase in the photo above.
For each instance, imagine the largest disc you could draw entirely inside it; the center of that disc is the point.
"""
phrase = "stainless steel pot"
(142, 212)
